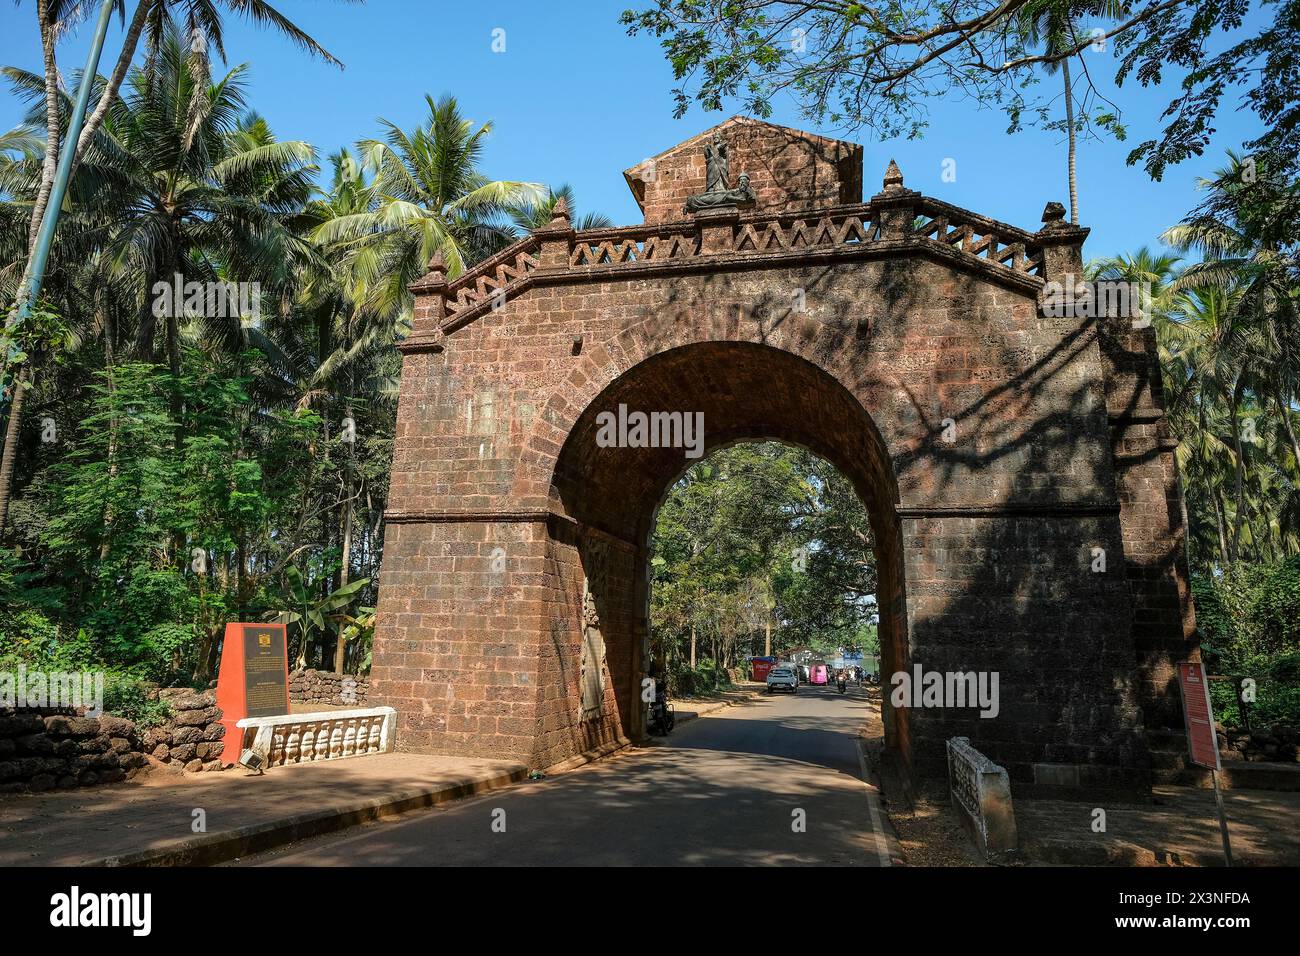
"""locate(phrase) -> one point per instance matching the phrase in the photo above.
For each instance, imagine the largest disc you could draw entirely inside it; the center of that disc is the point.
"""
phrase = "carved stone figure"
(718, 192)
(742, 195)
(717, 159)
(593, 658)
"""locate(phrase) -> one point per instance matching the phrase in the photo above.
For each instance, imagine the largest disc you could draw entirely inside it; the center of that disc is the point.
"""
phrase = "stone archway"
(751, 391)
(998, 446)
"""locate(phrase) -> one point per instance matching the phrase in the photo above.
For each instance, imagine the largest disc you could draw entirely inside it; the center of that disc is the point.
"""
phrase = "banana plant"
(360, 628)
(313, 613)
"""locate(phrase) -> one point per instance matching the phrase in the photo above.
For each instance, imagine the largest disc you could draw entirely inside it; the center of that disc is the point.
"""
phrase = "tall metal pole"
(50, 220)
(1223, 820)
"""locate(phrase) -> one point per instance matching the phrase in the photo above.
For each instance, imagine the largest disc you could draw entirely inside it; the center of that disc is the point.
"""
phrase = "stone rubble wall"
(1279, 743)
(310, 686)
(55, 748)
(192, 740)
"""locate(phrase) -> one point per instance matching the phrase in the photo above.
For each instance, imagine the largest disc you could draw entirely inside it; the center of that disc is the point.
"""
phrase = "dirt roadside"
(928, 831)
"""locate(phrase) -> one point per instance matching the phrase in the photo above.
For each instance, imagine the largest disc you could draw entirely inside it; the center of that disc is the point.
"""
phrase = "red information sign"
(1198, 715)
(253, 680)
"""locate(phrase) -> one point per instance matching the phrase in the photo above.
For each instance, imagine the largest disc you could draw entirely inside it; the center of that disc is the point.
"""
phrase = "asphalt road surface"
(775, 782)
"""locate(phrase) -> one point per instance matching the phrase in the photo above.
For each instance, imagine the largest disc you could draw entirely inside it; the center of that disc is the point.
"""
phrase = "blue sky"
(574, 99)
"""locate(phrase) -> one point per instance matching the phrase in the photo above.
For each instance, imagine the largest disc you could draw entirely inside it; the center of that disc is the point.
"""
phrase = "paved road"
(723, 790)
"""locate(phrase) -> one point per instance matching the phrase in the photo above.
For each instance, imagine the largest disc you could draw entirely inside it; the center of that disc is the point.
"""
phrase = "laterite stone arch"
(995, 446)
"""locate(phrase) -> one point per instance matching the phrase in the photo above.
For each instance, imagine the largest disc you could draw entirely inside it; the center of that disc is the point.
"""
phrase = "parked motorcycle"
(662, 715)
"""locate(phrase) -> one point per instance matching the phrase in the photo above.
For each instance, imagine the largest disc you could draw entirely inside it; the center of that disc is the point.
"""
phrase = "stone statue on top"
(718, 192)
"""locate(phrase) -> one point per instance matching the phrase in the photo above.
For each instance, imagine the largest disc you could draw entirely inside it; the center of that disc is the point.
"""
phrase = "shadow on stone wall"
(985, 541)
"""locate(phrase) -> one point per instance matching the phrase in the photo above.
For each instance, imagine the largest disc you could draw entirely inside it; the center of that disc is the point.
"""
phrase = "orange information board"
(1198, 715)
(253, 680)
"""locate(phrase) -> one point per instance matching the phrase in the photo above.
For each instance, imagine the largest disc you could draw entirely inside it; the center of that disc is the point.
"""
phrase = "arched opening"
(761, 550)
(610, 494)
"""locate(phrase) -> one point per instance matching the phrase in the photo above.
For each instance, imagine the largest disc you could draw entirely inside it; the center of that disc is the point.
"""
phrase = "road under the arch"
(722, 790)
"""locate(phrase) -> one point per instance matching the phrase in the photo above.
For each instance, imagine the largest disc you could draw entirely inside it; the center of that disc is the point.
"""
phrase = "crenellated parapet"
(895, 223)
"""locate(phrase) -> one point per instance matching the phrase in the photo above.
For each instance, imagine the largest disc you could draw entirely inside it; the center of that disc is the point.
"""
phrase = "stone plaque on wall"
(266, 687)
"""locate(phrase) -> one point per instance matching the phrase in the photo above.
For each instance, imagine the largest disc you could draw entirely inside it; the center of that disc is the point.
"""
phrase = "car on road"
(782, 678)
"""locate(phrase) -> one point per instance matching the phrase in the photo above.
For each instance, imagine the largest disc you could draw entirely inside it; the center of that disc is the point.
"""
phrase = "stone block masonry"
(193, 738)
(997, 448)
(309, 686)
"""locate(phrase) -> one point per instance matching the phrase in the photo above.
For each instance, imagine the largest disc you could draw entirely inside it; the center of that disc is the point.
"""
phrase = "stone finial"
(560, 214)
(555, 239)
(1061, 243)
(893, 176)
(437, 268)
(1055, 223)
(435, 276)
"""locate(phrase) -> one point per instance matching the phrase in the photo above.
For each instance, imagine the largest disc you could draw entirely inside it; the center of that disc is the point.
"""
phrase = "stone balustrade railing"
(492, 276)
(612, 247)
(325, 735)
(981, 795)
(979, 236)
(901, 218)
(842, 226)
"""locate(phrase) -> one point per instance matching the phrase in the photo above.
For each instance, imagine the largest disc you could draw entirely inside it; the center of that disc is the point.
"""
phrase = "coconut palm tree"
(204, 194)
(1207, 332)
(1054, 24)
(199, 21)
(202, 26)
(351, 367)
(1246, 231)
(430, 198)
(20, 153)
(1153, 271)
(170, 188)
(535, 215)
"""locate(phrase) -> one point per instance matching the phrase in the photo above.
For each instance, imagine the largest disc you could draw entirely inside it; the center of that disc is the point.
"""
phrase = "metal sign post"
(1202, 745)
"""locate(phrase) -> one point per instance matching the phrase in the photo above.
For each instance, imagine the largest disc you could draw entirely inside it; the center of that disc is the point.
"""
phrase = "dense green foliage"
(1230, 354)
(878, 64)
(1250, 617)
(180, 468)
(758, 540)
(1229, 345)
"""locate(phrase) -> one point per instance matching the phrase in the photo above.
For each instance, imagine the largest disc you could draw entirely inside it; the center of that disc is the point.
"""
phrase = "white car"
(782, 678)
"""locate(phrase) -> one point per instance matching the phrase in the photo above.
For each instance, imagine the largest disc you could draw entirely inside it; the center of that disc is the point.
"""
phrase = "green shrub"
(27, 636)
(1277, 693)
(1250, 610)
(1249, 620)
(128, 696)
(707, 676)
